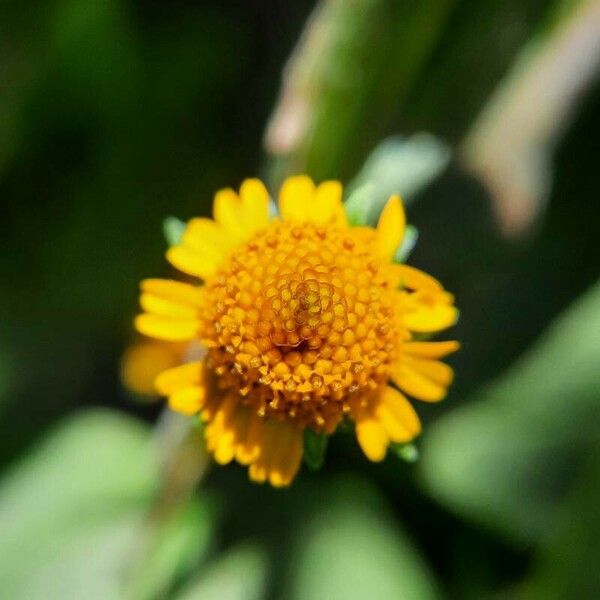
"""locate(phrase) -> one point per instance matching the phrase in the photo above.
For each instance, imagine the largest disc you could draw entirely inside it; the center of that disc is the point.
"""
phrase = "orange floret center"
(302, 322)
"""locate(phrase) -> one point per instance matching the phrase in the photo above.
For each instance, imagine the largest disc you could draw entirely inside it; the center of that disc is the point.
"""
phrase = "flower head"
(306, 321)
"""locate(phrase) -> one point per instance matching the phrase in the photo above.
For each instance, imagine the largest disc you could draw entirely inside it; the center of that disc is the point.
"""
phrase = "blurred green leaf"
(96, 56)
(397, 165)
(315, 446)
(358, 204)
(351, 548)
(507, 458)
(76, 522)
(173, 229)
(411, 237)
(241, 574)
(511, 144)
(406, 452)
(86, 559)
(6, 374)
(97, 460)
(354, 66)
(273, 209)
(69, 511)
(567, 564)
(175, 548)
(474, 51)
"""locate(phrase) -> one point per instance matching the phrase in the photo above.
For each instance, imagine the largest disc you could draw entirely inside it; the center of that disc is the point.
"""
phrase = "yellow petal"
(176, 291)
(226, 211)
(327, 205)
(430, 349)
(220, 435)
(142, 362)
(167, 328)
(187, 401)
(295, 198)
(182, 376)
(241, 216)
(390, 228)
(423, 379)
(255, 202)
(280, 454)
(263, 435)
(372, 438)
(256, 434)
(166, 308)
(340, 218)
(415, 279)
(257, 472)
(435, 370)
(193, 262)
(427, 317)
(247, 449)
(397, 416)
(287, 460)
(212, 404)
(228, 433)
(207, 237)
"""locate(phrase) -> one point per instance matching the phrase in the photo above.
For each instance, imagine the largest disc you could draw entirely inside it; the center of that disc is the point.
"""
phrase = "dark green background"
(116, 114)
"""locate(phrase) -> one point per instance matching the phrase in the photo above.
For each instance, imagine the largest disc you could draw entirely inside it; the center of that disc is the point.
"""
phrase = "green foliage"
(352, 549)
(72, 508)
(173, 229)
(359, 203)
(387, 43)
(406, 452)
(411, 237)
(115, 114)
(240, 574)
(315, 447)
(403, 166)
(507, 457)
(173, 550)
(6, 374)
(566, 563)
(75, 513)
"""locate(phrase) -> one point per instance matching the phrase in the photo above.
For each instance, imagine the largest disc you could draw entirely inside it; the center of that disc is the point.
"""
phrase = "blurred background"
(484, 114)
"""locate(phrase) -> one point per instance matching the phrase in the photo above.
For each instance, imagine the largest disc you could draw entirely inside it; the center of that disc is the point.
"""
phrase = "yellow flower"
(144, 360)
(306, 322)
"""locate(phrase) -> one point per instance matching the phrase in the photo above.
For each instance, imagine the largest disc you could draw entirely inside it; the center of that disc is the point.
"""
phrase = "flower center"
(302, 322)
(303, 308)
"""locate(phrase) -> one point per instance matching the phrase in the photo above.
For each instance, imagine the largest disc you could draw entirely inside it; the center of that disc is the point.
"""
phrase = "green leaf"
(273, 209)
(7, 371)
(406, 452)
(411, 236)
(315, 446)
(352, 71)
(173, 229)
(241, 574)
(70, 511)
(566, 565)
(175, 548)
(517, 170)
(358, 204)
(397, 166)
(351, 548)
(76, 521)
(506, 458)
